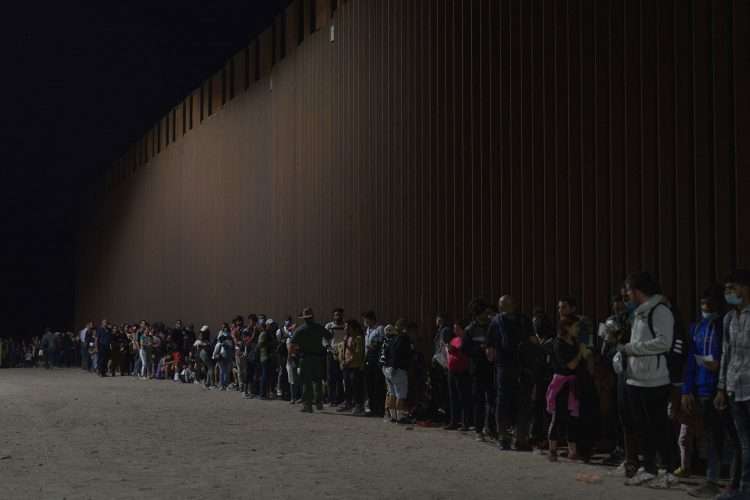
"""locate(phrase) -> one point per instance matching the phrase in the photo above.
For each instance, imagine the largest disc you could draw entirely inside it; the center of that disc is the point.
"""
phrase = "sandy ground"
(68, 434)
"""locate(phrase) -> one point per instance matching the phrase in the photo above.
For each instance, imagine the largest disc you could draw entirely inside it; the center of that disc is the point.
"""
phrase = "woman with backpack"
(224, 356)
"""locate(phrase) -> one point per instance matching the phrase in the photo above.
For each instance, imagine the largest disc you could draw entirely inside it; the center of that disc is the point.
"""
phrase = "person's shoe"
(504, 444)
(523, 447)
(706, 490)
(663, 481)
(640, 478)
(729, 493)
(464, 428)
(451, 427)
(319, 406)
(479, 437)
(681, 472)
(306, 409)
(358, 412)
(343, 409)
(552, 457)
(615, 458)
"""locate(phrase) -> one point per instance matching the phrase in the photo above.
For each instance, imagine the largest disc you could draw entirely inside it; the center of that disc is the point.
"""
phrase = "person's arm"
(715, 347)
(663, 328)
(726, 354)
(572, 364)
(688, 379)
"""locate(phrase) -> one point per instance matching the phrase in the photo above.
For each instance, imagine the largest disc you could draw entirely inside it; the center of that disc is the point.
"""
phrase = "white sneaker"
(642, 477)
(620, 470)
(663, 481)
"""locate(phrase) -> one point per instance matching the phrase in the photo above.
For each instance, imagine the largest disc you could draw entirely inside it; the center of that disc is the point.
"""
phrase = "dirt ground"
(68, 434)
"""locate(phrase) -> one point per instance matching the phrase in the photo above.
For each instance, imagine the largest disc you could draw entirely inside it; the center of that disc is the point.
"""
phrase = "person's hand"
(720, 401)
(712, 365)
(534, 340)
(688, 403)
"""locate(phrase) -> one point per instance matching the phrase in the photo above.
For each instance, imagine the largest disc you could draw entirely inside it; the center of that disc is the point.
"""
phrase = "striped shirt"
(734, 374)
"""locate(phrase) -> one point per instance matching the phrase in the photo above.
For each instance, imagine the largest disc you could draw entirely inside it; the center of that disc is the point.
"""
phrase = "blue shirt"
(104, 336)
(705, 340)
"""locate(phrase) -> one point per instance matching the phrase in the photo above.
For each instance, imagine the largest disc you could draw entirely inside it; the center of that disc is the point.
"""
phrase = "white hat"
(204, 328)
(269, 321)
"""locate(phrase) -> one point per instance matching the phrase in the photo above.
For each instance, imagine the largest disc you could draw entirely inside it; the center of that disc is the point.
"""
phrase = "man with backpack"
(648, 382)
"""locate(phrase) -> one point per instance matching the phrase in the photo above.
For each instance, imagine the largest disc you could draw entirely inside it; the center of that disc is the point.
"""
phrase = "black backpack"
(676, 357)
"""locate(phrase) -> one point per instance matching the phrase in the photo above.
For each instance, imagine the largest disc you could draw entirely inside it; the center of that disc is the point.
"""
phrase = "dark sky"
(80, 82)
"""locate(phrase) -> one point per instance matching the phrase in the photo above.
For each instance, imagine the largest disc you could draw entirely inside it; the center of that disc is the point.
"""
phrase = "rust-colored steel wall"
(439, 150)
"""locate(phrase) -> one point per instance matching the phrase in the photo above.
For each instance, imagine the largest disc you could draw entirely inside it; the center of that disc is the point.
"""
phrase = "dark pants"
(648, 406)
(85, 361)
(335, 381)
(741, 469)
(266, 369)
(506, 402)
(482, 398)
(439, 389)
(102, 357)
(459, 394)
(311, 368)
(375, 387)
(563, 424)
(353, 388)
(539, 416)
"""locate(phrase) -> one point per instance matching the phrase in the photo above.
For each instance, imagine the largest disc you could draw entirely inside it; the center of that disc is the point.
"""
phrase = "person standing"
(352, 363)
(334, 376)
(83, 335)
(224, 356)
(48, 347)
(734, 383)
(203, 347)
(648, 383)
(702, 421)
(103, 345)
(307, 343)
(439, 365)
(562, 399)
(374, 380)
(508, 333)
(475, 347)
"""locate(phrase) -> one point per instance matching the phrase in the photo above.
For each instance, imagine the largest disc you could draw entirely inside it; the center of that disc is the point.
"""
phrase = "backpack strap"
(650, 321)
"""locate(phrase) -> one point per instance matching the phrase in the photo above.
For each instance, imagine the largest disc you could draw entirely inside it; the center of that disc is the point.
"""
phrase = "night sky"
(81, 81)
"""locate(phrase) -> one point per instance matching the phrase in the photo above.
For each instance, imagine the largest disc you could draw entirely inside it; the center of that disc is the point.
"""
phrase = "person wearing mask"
(698, 392)
(374, 380)
(250, 356)
(562, 399)
(334, 376)
(648, 383)
(733, 387)
(474, 345)
(307, 345)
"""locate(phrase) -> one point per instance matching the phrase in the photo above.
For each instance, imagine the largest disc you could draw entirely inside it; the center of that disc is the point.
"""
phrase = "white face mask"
(708, 315)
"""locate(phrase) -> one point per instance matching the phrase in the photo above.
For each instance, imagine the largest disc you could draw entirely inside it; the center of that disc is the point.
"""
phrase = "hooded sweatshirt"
(647, 363)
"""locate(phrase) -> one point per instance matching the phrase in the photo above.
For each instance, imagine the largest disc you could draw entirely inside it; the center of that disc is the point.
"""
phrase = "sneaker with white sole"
(641, 478)
(663, 481)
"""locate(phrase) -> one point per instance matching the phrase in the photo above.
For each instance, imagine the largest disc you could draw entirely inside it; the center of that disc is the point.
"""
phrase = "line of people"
(653, 393)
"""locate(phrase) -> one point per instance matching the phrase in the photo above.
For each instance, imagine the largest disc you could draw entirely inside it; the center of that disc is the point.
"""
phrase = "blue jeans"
(741, 417)
(225, 368)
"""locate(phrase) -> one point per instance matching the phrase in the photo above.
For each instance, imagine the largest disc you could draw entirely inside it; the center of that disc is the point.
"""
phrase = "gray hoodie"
(646, 366)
